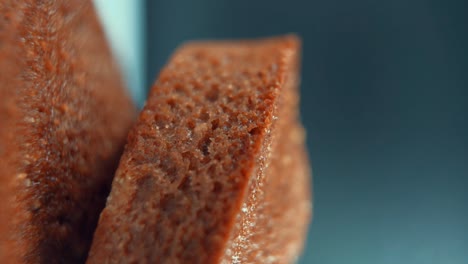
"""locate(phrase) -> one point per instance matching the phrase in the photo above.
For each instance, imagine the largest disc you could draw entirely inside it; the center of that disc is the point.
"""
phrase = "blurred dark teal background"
(384, 101)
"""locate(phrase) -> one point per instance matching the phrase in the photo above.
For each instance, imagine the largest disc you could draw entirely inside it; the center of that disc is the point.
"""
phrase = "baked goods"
(214, 171)
(64, 116)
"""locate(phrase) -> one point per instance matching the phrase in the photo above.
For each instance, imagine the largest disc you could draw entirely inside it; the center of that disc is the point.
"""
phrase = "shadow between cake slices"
(212, 133)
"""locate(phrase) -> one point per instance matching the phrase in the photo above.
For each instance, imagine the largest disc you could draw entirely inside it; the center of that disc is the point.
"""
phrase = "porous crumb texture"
(205, 135)
(64, 116)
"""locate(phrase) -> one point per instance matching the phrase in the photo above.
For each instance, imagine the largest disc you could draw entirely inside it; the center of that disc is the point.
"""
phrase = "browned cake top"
(190, 157)
(64, 118)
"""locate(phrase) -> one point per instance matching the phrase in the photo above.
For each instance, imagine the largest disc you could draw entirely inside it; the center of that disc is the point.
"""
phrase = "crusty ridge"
(272, 223)
(190, 157)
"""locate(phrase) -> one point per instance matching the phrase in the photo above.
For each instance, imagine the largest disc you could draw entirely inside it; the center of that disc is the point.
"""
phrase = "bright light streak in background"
(123, 23)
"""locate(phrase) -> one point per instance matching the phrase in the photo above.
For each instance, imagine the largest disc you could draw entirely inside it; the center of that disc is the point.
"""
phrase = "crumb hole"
(250, 103)
(204, 116)
(188, 157)
(254, 131)
(214, 124)
(217, 188)
(159, 121)
(191, 124)
(62, 220)
(204, 145)
(41, 109)
(171, 102)
(168, 203)
(179, 88)
(184, 184)
(213, 94)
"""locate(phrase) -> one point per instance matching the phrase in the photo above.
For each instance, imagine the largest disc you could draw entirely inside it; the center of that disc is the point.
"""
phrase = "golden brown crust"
(272, 223)
(189, 161)
(66, 116)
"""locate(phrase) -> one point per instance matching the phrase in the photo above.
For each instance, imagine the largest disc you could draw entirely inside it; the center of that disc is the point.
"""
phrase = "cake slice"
(64, 117)
(215, 170)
